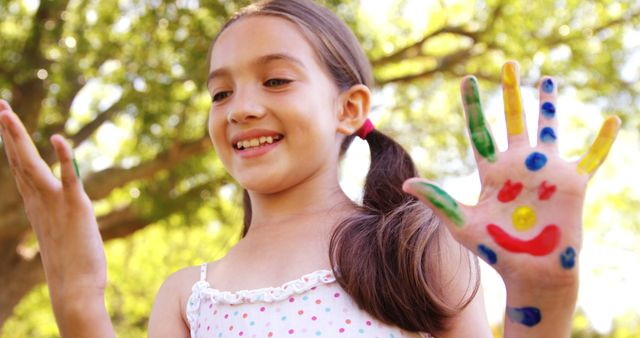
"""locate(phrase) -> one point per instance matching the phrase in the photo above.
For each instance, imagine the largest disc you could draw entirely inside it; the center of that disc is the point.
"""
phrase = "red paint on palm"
(541, 245)
(509, 191)
(545, 190)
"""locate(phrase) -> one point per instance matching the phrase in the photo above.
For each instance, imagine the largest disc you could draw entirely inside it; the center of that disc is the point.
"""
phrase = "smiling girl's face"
(274, 114)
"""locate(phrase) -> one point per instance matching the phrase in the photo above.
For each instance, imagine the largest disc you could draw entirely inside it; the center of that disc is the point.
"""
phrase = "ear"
(354, 109)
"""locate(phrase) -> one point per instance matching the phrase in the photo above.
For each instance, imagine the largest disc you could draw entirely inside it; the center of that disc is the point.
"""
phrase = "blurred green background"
(124, 80)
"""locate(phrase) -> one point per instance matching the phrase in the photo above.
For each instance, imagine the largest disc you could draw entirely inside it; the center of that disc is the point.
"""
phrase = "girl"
(290, 91)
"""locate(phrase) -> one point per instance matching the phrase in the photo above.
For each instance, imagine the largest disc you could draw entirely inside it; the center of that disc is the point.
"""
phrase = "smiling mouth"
(257, 142)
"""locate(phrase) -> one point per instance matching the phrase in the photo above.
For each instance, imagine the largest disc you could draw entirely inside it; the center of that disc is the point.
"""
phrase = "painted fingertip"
(599, 150)
(439, 199)
(548, 85)
(510, 73)
(480, 135)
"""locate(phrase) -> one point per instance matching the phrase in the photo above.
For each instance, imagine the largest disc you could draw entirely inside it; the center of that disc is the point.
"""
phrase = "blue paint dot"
(528, 316)
(548, 110)
(547, 135)
(568, 258)
(487, 254)
(535, 161)
(547, 86)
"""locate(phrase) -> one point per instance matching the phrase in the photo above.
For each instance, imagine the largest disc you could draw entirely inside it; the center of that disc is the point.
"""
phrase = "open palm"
(527, 223)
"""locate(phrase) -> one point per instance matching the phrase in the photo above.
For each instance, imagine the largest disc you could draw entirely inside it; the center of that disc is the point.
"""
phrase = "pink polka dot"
(348, 321)
(245, 315)
(231, 328)
(210, 305)
(368, 323)
(341, 330)
(241, 333)
(290, 331)
(314, 318)
(291, 300)
(226, 316)
(337, 294)
(262, 309)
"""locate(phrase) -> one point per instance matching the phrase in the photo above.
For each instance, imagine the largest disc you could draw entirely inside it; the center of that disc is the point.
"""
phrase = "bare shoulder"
(168, 316)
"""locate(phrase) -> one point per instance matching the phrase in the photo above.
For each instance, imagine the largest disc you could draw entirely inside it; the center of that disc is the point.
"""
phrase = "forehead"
(255, 36)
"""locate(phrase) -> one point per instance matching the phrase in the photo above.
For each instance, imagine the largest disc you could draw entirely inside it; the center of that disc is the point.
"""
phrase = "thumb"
(453, 213)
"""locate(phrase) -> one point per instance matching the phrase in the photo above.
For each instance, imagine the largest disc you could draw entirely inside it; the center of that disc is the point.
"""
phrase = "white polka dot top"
(312, 306)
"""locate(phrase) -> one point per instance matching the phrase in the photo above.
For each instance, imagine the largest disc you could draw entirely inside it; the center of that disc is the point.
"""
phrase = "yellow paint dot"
(523, 218)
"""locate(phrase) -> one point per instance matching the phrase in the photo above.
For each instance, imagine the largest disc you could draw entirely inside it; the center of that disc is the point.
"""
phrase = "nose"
(246, 106)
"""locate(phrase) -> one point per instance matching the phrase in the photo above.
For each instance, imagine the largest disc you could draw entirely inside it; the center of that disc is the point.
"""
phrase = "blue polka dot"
(547, 135)
(548, 110)
(284, 317)
(535, 161)
(487, 254)
(318, 333)
(547, 86)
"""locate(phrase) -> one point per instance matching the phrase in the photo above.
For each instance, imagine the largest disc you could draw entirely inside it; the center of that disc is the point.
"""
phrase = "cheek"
(216, 130)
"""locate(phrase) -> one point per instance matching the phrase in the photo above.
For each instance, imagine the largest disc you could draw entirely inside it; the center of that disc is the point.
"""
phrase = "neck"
(319, 201)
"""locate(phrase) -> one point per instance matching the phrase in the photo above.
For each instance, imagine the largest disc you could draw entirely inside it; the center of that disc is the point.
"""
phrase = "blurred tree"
(123, 81)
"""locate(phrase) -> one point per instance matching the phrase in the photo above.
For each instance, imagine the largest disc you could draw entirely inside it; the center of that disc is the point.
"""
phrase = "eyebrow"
(262, 60)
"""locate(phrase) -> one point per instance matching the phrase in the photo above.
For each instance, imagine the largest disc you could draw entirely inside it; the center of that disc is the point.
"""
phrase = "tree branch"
(100, 184)
(444, 64)
(415, 49)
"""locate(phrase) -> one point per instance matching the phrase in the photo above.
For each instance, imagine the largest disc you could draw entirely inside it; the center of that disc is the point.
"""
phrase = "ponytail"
(388, 256)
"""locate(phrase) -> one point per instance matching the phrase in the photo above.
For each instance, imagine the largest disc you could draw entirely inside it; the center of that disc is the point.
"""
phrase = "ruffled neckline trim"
(269, 294)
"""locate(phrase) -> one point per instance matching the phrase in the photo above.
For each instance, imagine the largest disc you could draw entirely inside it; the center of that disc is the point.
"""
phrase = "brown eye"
(276, 82)
(220, 96)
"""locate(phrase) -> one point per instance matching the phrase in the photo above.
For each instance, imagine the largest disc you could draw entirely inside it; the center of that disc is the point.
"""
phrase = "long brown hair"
(388, 255)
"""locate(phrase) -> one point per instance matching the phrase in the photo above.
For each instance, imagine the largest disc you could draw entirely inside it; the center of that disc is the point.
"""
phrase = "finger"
(479, 132)
(547, 121)
(29, 165)
(513, 112)
(444, 206)
(9, 149)
(69, 174)
(598, 151)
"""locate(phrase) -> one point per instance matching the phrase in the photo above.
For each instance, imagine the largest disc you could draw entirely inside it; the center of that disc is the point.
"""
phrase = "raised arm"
(62, 218)
(527, 223)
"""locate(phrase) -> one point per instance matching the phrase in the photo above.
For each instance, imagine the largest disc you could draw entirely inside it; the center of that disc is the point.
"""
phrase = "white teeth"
(255, 142)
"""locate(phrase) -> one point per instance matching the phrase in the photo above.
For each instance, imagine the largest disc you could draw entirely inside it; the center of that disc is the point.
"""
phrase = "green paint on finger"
(441, 200)
(477, 128)
(75, 166)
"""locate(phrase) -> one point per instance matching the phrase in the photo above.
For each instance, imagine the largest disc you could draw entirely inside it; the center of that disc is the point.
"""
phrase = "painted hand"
(527, 223)
(60, 214)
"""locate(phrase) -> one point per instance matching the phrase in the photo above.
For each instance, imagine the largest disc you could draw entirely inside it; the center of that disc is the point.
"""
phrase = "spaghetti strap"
(203, 272)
